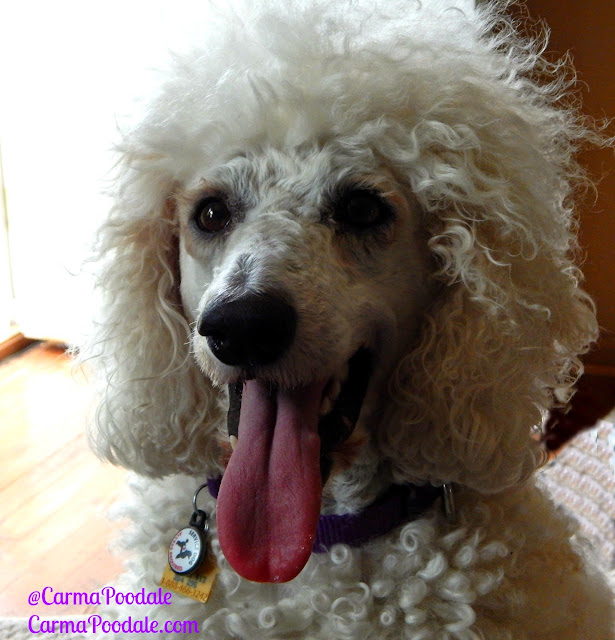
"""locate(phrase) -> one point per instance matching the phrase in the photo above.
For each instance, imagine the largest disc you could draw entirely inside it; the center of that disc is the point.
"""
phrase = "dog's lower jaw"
(357, 478)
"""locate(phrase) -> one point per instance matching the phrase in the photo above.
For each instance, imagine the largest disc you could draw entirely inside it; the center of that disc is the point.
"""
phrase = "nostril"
(256, 328)
(209, 327)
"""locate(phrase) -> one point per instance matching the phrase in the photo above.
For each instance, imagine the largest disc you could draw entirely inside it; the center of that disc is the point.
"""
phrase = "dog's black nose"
(252, 330)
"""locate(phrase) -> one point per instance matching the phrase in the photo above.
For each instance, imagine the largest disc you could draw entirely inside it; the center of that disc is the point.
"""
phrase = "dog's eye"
(211, 215)
(361, 209)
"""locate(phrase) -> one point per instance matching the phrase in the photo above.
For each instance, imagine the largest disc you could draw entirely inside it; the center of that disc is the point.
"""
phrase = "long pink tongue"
(269, 499)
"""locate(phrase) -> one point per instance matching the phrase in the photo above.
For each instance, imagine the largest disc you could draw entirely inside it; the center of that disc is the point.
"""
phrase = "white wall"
(67, 67)
(6, 297)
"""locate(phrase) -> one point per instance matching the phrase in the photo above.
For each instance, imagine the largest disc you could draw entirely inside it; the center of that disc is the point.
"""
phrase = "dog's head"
(350, 232)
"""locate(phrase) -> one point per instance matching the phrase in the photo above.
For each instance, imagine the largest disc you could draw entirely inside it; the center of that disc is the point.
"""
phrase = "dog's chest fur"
(492, 573)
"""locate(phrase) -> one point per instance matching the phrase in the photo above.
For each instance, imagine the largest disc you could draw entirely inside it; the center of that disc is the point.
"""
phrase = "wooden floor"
(54, 493)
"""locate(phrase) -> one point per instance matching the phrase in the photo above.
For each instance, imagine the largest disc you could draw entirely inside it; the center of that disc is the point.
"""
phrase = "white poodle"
(339, 275)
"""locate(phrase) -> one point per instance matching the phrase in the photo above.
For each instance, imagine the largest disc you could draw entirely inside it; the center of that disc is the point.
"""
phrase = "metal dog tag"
(189, 546)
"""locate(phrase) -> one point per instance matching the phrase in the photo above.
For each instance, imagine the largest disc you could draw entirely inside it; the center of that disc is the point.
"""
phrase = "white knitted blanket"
(582, 480)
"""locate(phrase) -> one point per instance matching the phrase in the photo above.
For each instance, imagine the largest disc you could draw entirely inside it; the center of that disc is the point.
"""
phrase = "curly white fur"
(506, 570)
(473, 134)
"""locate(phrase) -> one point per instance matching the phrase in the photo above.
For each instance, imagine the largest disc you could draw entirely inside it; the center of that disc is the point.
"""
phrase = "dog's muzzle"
(283, 438)
(255, 329)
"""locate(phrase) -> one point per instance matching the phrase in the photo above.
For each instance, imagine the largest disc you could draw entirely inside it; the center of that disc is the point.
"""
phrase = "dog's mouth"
(270, 497)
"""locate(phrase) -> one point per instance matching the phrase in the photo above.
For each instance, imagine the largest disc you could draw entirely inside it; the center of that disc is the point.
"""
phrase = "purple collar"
(397, 505)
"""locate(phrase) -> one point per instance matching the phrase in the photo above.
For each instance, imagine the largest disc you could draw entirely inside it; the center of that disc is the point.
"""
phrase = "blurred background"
(68, 72)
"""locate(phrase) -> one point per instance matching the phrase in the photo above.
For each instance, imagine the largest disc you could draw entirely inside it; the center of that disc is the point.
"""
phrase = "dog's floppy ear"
(502, 340)
(157, 411)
